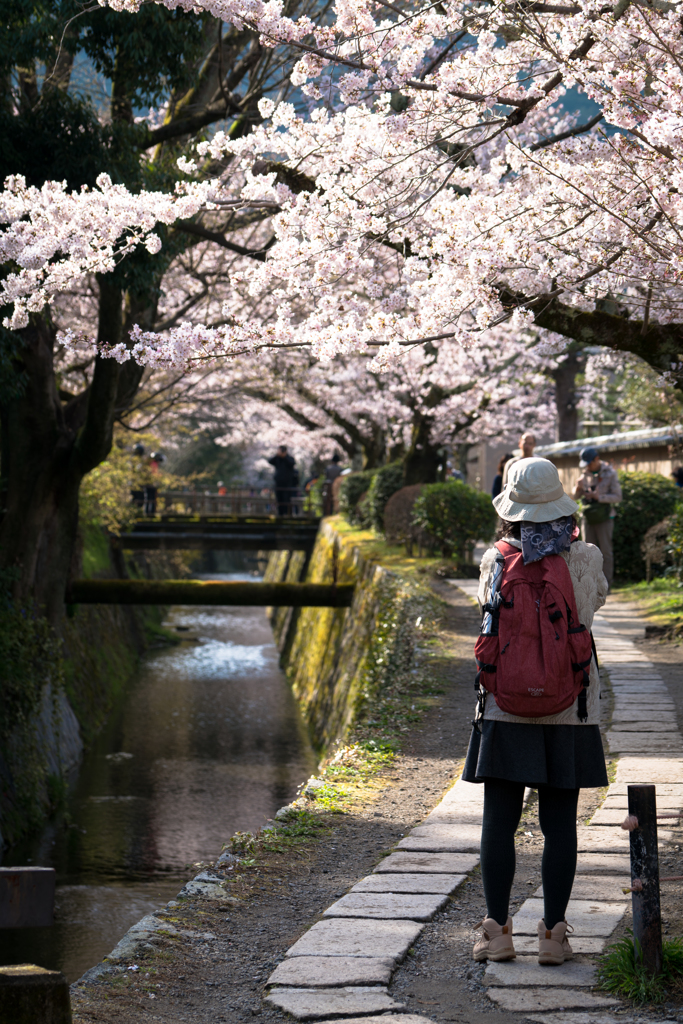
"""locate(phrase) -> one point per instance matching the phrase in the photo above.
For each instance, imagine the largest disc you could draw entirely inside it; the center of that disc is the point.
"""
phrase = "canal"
(208, 742)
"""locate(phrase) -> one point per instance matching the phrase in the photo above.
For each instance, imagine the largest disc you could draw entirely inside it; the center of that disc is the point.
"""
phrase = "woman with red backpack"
(538, 697)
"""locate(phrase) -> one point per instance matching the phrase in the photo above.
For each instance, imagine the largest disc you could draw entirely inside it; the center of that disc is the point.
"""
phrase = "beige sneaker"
(496, 942)
(553, 945)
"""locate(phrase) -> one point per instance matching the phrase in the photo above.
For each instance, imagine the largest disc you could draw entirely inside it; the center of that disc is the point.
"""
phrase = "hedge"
(647, 499)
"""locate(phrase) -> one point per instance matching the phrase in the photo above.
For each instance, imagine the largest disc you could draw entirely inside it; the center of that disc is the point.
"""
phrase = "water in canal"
(208, 742)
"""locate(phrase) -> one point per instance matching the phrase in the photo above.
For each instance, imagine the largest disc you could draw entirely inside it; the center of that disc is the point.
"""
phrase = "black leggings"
(503, 803)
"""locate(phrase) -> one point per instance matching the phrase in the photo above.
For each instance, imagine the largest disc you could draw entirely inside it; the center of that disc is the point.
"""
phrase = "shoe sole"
(502, 954)
(551, 961)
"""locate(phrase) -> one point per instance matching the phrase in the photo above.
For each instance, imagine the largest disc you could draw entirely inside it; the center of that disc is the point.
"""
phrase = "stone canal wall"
(57, 698)
(338, 659)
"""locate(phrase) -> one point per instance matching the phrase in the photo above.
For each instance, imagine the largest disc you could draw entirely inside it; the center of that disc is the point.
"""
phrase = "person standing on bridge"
(538, 698)
(285, 479)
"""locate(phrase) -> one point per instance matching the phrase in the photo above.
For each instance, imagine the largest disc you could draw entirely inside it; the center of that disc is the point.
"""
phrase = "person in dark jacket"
(285, 479)
(498, 478)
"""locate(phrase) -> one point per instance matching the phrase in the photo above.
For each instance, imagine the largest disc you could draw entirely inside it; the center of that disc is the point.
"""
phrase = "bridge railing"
(236, 501)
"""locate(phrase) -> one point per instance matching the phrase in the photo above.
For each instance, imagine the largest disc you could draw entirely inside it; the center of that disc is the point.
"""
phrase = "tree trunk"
(422, 460)
(564, 376)
(47, 448)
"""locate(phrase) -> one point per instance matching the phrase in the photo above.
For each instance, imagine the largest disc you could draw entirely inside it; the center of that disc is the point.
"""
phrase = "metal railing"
(235, 501)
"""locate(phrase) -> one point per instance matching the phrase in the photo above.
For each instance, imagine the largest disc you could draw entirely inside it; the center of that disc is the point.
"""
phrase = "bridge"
(220, 533)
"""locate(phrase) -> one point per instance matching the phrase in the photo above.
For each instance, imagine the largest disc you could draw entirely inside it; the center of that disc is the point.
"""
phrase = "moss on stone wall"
(339, 660)
(68, 684)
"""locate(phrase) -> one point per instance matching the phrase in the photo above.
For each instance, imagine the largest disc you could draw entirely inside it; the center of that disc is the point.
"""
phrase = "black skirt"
(565, 756)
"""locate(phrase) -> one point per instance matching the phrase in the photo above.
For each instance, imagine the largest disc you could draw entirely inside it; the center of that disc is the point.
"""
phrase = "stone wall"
(337, 659)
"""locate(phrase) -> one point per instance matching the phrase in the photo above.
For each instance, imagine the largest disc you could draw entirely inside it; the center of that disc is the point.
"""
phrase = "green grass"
(661, 600)
(622, 974)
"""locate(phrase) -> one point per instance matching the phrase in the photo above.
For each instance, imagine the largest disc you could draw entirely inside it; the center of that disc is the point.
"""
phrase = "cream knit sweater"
(590, 590)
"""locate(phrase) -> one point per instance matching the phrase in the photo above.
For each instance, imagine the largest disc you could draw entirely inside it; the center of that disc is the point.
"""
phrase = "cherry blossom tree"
(440, 182)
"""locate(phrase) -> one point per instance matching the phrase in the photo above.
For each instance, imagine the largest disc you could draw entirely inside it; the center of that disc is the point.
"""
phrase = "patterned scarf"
(541, 539)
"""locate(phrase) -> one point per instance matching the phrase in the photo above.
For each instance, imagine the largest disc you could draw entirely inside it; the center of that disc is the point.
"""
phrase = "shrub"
(385, 482)
(674, 542)
(647, 499)
(455, 514)
(351, 490)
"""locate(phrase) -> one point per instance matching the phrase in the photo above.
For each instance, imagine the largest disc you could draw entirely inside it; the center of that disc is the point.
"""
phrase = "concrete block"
(331, 971)
(388, 906)
(527, 971)
(650, 769)
(33, 995)
(432, 863)
(609, 863)
(310, 1003)
(415, 882)
(587, 917)
(535, 999)
(357, 937)
(598, 887)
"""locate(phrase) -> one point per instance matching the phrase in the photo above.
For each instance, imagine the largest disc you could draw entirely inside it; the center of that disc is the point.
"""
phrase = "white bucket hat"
(533, 493)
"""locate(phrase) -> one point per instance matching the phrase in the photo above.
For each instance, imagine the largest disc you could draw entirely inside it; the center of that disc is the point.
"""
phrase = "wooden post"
(647, 918)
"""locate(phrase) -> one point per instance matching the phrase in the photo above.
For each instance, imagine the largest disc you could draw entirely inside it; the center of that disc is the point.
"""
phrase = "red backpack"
(533, 654)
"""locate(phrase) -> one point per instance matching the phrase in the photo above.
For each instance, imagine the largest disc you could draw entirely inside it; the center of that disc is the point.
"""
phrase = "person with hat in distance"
(599, 486)
(537, 721)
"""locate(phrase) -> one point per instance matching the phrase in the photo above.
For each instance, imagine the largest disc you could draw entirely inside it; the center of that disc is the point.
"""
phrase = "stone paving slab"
(587, 917)
(579, 943)
(596, 839)
(437, 863)
(357, 937)
(597, 887)
(407, 882)
(534, 999)
(643, 741)
(656, 702)
(660, 726)
(388, 906)
(454, 817)
(663, 718)
(309, 1003)
(573, 1018)
(443, 838)
(650, 769)
(332, 971)
(526, 970)
(665, 791)
(392, 1018)
(610, 863)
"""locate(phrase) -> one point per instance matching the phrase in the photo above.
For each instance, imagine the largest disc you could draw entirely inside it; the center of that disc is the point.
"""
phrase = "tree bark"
(48, 447)
(422, 459)
(564, 375)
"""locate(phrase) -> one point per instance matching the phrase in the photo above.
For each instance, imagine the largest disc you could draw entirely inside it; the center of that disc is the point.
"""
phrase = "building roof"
(647, 438)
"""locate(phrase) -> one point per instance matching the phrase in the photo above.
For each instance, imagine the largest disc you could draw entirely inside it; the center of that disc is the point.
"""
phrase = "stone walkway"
(341, 967)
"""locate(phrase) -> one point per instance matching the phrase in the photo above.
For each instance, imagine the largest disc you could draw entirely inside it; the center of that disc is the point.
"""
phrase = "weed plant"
(623, 974)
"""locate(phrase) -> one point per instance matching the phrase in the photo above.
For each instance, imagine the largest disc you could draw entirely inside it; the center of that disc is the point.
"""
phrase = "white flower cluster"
(447, 188)
(53, 237)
